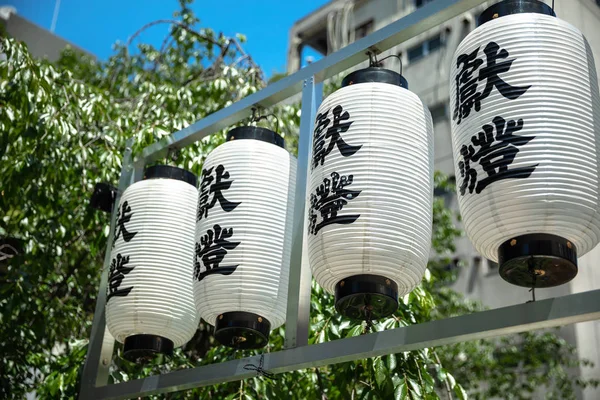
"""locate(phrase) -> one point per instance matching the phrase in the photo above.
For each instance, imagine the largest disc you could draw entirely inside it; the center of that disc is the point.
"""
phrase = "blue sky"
(96, 25)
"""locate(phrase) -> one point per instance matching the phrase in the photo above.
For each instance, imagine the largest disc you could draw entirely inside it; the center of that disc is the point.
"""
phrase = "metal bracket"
(297, 354)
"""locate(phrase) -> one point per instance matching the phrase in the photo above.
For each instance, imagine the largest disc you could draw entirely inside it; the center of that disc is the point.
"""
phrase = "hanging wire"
(374, 62)
(396, 56)
(256, 117)
(259, 369)
(533, 278)
(369, 319)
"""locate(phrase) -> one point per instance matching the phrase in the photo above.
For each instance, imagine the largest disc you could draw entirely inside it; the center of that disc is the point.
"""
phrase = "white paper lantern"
(243, 236)
(150, 306)
(370, 193)
(525, 128)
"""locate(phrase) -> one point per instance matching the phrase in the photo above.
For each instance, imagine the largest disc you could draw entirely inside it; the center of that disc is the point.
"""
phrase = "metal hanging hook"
(256, 117)
(372, 63)
(390, 56)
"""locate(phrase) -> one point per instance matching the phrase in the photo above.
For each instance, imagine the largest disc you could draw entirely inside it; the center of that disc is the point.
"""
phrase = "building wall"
(40, 42)
(428, 77)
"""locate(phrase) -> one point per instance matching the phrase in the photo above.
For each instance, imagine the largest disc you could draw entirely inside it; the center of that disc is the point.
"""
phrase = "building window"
(424, 48)
(434, 43)
(421, 3)
(415, 52)
(363, 30)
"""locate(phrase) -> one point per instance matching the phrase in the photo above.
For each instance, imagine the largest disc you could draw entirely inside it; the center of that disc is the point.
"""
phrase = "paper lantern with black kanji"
(370, 193)
(243, 236)
(150, 304)
(525, 126)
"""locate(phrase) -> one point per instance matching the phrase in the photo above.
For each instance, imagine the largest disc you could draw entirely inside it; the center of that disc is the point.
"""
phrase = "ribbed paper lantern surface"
(525, 128)
(243, 236)
(370, 193)
(150, 305)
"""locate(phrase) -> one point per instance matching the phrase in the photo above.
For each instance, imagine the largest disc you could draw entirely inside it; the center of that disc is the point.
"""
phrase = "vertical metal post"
(138, 172)
(101, 345)
(298, 307)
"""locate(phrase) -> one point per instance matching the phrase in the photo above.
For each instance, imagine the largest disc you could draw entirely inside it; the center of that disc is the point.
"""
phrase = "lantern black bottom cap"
(242, 330)
(140, 348)
(537, 260)
(366, 297)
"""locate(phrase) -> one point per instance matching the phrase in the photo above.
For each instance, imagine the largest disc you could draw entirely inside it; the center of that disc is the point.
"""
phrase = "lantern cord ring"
(368, 320)
(173, 154)
(259, 370)
(373, 62)
(256, 117)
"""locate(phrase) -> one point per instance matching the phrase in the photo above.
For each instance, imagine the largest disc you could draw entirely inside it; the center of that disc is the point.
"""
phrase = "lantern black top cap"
(375, 74)
(508, 7)
(257, 133)
(169, 172)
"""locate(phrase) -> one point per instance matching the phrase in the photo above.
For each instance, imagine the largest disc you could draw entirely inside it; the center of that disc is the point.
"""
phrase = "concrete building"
(41, 42)
(426, 63)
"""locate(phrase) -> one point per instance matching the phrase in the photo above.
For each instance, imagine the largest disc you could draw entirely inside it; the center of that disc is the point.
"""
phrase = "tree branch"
(6, 256)
(446, 382)
(320, 383)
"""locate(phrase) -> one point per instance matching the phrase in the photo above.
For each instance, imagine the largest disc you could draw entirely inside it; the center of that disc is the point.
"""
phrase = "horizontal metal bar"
(413, 24)
(548, 313)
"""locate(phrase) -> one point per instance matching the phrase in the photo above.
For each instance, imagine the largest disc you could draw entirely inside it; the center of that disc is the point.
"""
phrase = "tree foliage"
(63, 128)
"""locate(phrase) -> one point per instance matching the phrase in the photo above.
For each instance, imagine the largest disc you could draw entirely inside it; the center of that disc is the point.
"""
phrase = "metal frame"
(297, 353)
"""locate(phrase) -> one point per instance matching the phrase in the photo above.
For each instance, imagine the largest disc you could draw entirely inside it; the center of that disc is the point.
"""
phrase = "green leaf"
(451, 380)
(415, 387)
(381, 371)
(393, 361)
(334, 329)
(401, 392)
(355, 331)
(460, 392)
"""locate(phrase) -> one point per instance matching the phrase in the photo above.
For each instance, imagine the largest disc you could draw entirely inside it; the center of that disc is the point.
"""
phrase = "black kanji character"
(211, 251)
(319, 138)
(467, 96)
(466, 85)
(117, 273)
(207, 187)
(329, 199)
(494, 158)
(333, 133)
(123, 216)
(491, 71)
(207, 179)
